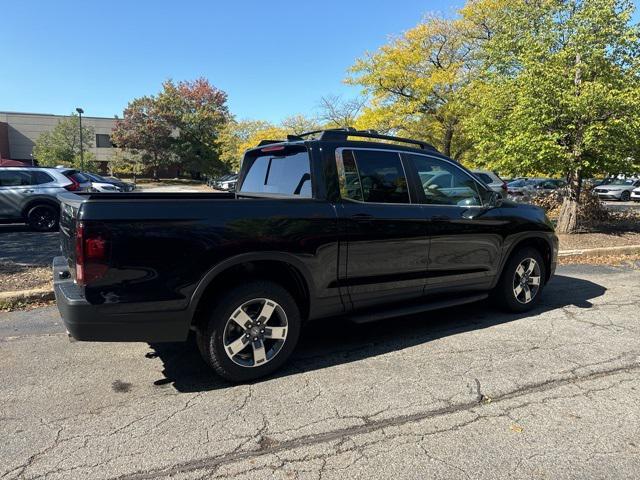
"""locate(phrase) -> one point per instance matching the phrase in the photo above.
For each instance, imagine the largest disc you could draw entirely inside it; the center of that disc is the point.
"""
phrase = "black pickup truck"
(339, 223)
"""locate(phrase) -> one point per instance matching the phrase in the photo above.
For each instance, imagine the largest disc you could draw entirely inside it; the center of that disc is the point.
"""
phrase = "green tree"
(233, 140)
(416, 83)
(197, 112)
(145, 130)
(560, 90)
(61, 145)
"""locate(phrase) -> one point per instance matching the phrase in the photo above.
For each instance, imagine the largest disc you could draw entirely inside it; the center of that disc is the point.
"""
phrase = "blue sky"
(273, 58)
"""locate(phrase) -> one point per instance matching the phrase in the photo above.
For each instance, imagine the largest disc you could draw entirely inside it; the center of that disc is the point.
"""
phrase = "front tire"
(522, 281)
(250, 331)
(43, 218)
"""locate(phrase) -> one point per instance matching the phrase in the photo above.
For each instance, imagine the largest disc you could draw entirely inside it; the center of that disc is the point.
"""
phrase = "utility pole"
(80, 112)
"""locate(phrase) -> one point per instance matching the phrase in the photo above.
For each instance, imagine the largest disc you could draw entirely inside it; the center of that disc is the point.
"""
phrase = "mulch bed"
(597, 240)
(14, 276)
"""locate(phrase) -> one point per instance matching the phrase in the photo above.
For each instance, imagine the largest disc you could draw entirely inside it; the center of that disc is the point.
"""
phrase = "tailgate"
(69, 207)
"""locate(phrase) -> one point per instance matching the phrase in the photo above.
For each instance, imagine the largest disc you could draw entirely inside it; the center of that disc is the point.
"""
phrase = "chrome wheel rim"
(255, 333)
(526, 280)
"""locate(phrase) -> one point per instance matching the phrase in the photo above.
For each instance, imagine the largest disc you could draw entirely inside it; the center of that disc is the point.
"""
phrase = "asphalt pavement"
(468, 392)
(18, 244)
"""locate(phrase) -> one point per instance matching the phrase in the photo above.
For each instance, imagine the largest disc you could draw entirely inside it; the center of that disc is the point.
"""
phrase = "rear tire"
(625, 196)
(250, 331)
(43, 218)
(522, 281)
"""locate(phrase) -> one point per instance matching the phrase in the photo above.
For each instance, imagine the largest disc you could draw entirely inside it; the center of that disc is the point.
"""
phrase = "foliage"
(233, 139)
(416, 84)
(239, 136)
(560, 91)
(61, 145)
(297, 124)
(197, 112)
(144, 129)
(338, 113)
(180, 126)
(126, 162)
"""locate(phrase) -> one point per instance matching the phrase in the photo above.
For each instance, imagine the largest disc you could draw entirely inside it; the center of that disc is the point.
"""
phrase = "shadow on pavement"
(329, 342)
(19, 244)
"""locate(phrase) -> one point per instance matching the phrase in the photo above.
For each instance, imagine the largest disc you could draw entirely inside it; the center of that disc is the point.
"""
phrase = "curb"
(46, 294)
(600, 252)
(26, 296)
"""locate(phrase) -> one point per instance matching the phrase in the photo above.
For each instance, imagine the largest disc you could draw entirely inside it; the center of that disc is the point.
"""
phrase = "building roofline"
(55, 115)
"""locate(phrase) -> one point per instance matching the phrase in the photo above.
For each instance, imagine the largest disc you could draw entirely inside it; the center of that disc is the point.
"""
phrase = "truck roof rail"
(344, 133)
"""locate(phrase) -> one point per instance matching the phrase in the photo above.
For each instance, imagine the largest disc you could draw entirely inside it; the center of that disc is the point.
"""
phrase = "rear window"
(77, 176)
(281, 172)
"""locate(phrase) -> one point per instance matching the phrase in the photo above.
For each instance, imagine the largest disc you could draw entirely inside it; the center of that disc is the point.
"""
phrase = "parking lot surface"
(18, 244)
(461, 393)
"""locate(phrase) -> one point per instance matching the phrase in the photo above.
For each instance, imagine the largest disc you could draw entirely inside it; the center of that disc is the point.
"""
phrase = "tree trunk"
(568, 218)
(447, 140)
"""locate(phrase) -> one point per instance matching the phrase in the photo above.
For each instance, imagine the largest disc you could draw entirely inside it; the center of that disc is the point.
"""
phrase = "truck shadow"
(335, 341)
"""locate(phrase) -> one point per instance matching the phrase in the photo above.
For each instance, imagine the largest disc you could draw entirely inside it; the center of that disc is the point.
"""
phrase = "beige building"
(19, 132)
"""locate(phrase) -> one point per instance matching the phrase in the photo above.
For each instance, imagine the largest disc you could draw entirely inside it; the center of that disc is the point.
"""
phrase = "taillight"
(75, 185)
(92, 254)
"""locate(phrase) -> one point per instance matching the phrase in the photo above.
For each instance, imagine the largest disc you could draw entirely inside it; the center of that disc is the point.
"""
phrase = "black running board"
(400, 311)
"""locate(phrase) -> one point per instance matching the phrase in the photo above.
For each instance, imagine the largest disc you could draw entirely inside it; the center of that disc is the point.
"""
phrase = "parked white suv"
(635, 194)
(493, 181)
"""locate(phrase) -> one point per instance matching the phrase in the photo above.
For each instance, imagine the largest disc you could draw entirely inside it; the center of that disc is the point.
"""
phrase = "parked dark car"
(318, 227)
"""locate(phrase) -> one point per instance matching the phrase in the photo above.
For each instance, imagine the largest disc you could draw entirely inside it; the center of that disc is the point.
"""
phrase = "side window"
(39, 178)
(373, 176)
(445, 184)
(14, 178)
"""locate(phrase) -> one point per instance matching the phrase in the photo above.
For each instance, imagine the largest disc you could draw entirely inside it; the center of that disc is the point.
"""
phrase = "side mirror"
(495, 200)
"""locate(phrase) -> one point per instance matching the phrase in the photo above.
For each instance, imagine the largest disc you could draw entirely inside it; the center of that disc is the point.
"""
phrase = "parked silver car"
(29, 194)
(616, 189)
(493, 181)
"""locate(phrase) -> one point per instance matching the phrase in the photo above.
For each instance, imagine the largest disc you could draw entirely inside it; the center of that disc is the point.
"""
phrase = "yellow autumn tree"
(415, 84)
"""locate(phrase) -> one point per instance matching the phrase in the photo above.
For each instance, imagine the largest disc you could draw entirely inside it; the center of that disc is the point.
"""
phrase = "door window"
(14, 178)
(373, 176)
(443, 183)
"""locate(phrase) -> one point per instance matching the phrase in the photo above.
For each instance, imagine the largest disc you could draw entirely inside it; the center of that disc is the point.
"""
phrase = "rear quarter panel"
(162, 249)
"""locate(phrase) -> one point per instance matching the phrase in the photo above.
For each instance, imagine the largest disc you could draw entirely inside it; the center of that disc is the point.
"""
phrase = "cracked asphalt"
(460, 393)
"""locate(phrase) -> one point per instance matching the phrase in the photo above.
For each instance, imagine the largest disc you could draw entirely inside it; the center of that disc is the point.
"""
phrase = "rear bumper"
(108, 322)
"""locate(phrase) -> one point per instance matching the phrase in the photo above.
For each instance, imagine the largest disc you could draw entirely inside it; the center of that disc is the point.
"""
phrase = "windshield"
(628, 181)
(518, 183)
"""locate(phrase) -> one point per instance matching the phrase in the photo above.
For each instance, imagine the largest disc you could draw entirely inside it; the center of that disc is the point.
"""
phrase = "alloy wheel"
(43, 218)
(526, 280)
(255, 332)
